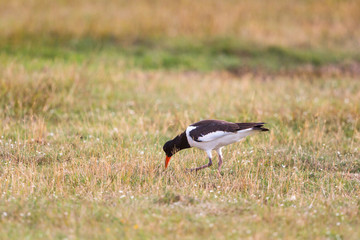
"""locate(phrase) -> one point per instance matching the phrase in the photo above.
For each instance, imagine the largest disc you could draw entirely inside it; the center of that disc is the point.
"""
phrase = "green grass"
(179, 54)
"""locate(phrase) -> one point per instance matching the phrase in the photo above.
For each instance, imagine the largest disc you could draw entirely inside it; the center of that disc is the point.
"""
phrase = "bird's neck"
(181, 142)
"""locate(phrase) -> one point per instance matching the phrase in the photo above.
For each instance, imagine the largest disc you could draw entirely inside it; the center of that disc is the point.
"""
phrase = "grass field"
(85, 109)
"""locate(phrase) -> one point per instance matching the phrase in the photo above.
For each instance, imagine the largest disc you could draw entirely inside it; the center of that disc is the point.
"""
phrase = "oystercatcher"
(210, 135)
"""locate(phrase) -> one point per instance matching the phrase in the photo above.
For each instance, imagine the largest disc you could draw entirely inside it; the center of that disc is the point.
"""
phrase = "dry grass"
(86, 159)
(287, 23)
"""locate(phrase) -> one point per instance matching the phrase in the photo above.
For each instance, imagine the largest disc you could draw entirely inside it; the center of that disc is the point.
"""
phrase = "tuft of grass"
(172, 198)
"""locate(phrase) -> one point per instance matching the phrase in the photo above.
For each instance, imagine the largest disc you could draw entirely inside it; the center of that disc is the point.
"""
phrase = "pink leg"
(220, 160)
(201, 167)
(204, 166)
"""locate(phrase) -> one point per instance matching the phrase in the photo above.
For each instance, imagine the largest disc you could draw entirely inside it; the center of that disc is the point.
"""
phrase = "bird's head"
(169, 149)
(173, 146)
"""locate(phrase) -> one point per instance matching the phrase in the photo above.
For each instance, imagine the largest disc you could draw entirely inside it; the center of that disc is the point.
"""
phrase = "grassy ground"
(83, 120)
(81, 155)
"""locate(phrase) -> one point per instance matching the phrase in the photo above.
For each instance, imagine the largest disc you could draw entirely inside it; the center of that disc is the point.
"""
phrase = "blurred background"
(193, 35)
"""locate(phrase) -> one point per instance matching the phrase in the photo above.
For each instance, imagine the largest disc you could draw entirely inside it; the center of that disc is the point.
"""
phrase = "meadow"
(90, 92)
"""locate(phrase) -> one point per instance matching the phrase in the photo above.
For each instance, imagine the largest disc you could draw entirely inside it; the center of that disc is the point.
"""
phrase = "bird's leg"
(204, 166)
(220, 160)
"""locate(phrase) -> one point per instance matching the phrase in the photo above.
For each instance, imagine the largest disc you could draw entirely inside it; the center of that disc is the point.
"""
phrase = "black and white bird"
(210, 135)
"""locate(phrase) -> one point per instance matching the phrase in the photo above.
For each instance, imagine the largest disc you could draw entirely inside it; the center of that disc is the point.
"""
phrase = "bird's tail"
(260, 127)
(254, 126)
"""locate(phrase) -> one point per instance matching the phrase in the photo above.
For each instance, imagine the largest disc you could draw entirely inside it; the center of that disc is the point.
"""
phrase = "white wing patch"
(213, 136)
(228, 135)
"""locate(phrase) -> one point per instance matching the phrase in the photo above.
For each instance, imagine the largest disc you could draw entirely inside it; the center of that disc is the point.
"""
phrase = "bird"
(210, 135)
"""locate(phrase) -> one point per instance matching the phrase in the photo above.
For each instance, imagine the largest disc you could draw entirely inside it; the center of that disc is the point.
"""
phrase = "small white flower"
(293, 198)
(122, 196)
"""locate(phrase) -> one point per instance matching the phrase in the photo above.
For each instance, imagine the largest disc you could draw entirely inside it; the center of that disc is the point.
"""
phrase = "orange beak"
(167, 161)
